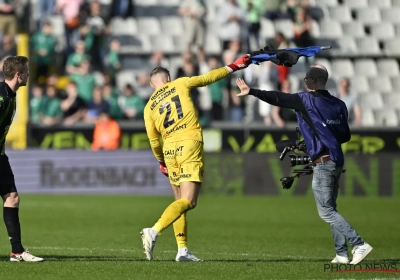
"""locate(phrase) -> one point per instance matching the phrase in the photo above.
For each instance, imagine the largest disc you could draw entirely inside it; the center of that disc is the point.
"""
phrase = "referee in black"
(323, 122)
(16, 75)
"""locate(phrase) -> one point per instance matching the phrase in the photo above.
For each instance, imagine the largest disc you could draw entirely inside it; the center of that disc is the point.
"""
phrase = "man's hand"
(244, 88)
(163, 168)
(240, 63)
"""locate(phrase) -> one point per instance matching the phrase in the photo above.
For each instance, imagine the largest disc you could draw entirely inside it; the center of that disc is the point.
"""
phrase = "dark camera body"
(290, 146)
(286, 146)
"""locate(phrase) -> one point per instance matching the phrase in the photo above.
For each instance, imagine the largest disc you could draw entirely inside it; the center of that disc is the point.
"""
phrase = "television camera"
(286, 146)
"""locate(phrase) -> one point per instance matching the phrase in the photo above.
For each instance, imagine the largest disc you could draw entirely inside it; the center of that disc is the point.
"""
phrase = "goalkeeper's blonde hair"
(163, 72)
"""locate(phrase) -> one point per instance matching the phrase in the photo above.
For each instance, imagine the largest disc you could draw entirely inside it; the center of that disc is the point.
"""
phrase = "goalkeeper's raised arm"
(170, 110)
(216, 74)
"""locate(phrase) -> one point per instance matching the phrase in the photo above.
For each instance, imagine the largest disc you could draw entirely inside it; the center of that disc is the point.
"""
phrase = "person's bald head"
(319, 66)
(316, 77)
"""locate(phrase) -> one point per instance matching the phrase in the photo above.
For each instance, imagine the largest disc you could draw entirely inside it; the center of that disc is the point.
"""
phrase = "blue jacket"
(322, 120)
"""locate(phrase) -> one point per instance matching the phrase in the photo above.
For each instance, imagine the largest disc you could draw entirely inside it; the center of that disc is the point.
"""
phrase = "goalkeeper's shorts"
(184, 160)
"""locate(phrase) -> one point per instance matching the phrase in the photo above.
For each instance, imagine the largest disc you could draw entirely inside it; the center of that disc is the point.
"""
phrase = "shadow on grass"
(69, 258)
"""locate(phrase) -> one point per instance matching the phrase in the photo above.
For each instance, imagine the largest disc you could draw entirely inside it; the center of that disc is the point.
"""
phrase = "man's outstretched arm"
(217, 74)
(276, 98)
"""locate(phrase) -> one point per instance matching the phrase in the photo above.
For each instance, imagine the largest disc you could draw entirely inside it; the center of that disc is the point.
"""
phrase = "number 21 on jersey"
(168, 121)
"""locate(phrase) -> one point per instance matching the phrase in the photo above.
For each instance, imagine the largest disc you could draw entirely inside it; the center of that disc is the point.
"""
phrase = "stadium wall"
(238, 140)
(227, 173)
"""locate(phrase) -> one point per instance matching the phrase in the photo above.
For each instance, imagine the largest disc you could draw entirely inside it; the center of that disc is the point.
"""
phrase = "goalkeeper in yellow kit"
(170, 112)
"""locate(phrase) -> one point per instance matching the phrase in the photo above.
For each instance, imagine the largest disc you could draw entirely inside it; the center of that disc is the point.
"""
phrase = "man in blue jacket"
(323, 123)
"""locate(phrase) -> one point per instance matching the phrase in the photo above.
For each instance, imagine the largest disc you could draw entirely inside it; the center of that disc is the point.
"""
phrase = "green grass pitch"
(97, 237)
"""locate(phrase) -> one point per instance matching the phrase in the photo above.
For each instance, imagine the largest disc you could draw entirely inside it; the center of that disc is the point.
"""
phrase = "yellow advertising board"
(17, 138)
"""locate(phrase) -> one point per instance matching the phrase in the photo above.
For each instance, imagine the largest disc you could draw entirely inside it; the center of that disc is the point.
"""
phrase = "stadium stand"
(360, 84)
(364, 33)
(340, 13)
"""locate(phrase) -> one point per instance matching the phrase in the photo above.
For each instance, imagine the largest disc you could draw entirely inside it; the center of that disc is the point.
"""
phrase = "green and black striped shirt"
(7, 112)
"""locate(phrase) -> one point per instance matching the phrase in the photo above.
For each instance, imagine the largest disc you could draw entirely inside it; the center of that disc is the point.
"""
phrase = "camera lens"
(299, 160)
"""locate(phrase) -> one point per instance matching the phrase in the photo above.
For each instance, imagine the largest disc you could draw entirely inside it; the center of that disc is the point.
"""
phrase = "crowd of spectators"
(81, 87)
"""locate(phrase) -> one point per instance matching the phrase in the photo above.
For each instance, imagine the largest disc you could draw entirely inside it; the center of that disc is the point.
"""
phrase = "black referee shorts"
(7, 182)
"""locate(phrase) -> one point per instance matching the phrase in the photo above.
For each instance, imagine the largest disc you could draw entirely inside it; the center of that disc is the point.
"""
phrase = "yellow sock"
(172, 213)
(180, 230)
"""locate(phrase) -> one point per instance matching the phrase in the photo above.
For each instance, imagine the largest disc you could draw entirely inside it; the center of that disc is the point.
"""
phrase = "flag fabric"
(287, 57)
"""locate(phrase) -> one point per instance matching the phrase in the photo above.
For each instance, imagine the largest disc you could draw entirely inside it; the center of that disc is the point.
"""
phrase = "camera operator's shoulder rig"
(286, 146)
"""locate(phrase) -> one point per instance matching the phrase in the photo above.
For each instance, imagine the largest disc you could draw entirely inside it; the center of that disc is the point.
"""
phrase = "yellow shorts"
(184, 161)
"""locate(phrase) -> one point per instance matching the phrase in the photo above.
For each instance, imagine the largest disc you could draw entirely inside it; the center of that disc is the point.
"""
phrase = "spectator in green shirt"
(86, 34)
(35, 104)
(131, 104)
(255, 10)
(217, 91)
(43, 44)
(85, 81)
(111, 61)
(51, 112)
(97, 21)
(110, 95)
(75, 59)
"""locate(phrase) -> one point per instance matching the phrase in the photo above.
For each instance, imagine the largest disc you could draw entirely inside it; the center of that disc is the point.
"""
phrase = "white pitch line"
(83, 249)
(166, 251)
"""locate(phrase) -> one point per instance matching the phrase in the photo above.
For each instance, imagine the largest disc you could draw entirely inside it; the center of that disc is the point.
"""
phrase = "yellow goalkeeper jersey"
(171, 112)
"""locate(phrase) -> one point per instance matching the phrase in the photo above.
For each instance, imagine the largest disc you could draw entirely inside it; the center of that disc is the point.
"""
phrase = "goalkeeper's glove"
(163, 168)
(240, 63)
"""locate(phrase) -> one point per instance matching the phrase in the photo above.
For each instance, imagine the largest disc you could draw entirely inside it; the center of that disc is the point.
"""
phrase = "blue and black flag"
(286, 57)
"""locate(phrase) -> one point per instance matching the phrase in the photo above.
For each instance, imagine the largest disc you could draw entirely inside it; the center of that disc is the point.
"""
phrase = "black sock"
(11, 219)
